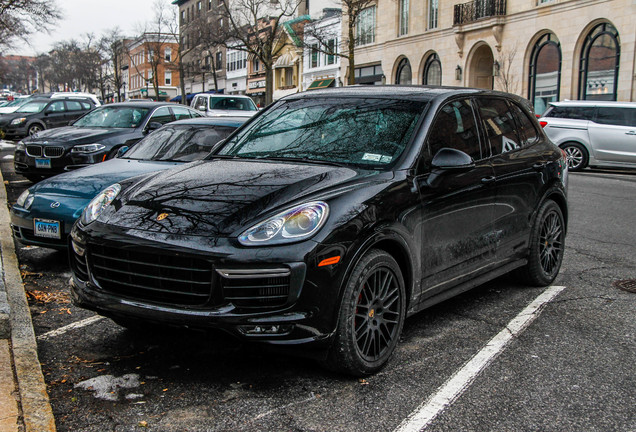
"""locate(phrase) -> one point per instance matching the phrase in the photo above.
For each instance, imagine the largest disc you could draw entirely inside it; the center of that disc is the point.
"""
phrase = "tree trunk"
(184, 97)
(351, 78)
(269, 84)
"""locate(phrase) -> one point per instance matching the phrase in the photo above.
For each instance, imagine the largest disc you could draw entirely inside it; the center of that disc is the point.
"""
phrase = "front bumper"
(22, 223)
(26, 164)
(107, 264)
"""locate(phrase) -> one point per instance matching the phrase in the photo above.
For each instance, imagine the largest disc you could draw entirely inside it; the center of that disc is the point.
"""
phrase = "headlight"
(99, 203)
(18, 121)
(20, 146)
(88, 148)
(297, 223)
(25, 199)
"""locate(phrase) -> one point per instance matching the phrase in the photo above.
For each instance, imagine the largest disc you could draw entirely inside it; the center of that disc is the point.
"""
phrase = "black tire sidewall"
(535, 274)
(344, 355)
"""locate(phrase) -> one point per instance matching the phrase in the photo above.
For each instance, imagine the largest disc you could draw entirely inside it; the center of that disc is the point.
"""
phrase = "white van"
(215, 105)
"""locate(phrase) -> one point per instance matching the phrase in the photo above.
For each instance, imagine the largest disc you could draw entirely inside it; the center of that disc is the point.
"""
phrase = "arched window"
(545, 72)
(600, 56)
(403, 75)
(432, 71)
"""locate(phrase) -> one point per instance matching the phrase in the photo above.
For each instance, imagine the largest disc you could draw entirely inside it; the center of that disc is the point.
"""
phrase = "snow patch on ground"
(107, 387)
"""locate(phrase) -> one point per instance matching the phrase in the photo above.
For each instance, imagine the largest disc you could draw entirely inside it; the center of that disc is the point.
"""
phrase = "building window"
(183, 12)
(365, 29)
(544, 77)
(198, 8)
(219, 61)
(255, 65)
(168, 77)
(315, 59)
(289, 77)
(332, 48)
(432, 71)
(403, 75)
(209, 4)
(404, 17)
(600, 56)
(433, 11)
(168, 54)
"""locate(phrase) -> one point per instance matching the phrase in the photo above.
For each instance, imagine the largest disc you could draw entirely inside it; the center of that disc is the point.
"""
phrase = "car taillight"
(543, 123)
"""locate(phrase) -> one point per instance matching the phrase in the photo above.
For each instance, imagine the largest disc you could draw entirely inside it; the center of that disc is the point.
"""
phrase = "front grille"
(149, 275)
(34, 150)
(53, 151)
(258, 288)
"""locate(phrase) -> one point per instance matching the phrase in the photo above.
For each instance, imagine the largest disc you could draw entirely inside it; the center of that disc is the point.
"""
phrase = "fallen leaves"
(49, 297)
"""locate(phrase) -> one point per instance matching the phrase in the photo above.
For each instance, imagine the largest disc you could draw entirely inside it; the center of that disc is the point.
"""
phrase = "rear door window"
(73, 106)
(161, 115)
(181, 113)
(499, 125)
(616, 116)
(526, 126)
(571, 112)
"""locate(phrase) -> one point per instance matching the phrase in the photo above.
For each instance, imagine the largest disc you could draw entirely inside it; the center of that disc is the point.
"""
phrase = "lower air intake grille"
(256, 288)
(148, 275)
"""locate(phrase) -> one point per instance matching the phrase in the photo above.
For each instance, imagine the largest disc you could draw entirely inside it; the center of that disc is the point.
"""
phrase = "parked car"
(329, 218)
(593, 133)
(44, 213)
(55, 95)
(93, 138)
(12, 106)
(213, 105)
(39, 114)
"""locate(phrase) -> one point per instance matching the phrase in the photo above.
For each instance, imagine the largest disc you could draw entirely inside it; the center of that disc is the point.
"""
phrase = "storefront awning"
(321, 84)
(286, 60)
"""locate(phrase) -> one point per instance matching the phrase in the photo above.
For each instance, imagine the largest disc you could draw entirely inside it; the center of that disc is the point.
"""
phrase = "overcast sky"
(92, 16)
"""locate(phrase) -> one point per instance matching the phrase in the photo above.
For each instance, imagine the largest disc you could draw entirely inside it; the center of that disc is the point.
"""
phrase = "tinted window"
(181, 113)
(362, 132)
(569, 112)
(73, 106)
(454, 127)
(616, 116)
(230, 103)
(527, 127)
(57, 106)
(161, 115)
(499, 125)
(86, 105)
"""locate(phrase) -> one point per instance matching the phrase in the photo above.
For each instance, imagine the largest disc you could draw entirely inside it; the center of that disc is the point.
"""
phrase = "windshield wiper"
(308, 160)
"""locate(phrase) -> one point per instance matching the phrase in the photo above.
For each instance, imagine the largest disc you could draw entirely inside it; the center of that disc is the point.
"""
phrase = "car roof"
(411, 92)
(213, 121)
(143, 104)
(222, 95)
(589, 103)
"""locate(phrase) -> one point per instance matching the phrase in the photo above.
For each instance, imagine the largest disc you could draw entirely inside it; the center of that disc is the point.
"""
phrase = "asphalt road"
(569, 367)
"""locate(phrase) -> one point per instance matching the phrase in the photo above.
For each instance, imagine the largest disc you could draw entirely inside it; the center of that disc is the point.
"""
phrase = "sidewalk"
(24, 402)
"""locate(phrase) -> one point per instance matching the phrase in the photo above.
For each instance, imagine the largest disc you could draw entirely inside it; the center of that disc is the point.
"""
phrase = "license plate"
(47, 228)
(43, 163)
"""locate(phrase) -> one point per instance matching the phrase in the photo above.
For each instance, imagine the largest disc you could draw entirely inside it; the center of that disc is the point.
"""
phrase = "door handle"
(630, 133)
(488, 180)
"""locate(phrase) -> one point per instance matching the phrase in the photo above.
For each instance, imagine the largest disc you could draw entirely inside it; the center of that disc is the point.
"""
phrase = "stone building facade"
(544, 50)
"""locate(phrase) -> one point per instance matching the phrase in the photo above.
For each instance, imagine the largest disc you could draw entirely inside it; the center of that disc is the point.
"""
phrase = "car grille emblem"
(55, 204)
(162, 216)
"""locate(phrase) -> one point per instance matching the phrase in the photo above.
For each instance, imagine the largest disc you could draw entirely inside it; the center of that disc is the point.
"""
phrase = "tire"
(371, 316)
(35, 128)
(546, 246)
(577, 156)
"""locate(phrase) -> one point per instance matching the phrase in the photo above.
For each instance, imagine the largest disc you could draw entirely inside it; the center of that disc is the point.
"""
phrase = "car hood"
(88, 182)
(215, 198)
(75, 135)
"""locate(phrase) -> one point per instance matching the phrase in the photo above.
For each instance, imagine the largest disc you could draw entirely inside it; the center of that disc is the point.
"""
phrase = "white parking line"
(463, 378)
(8, 157)
(67, 328)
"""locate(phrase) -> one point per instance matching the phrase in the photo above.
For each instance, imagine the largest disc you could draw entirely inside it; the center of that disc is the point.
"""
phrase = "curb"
(34, 400)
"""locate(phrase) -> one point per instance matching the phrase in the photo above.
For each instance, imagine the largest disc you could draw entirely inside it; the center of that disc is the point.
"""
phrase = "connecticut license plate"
(47, 228)
(43, 163)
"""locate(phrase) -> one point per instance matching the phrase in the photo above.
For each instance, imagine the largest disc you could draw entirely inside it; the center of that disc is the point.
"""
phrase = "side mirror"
(152, 126)
(449, 159)
(121, 151)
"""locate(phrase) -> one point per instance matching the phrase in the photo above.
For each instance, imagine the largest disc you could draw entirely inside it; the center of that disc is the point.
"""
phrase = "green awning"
(321, 84)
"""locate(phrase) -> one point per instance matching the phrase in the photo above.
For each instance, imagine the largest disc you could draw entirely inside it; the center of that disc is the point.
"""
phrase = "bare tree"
(113, 48)
(257, 25)
(506, 79)
(21, 18)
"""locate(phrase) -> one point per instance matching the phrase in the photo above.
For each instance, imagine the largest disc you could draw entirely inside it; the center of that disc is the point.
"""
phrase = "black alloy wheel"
(577, 156)
(371, 316)
(546, 246)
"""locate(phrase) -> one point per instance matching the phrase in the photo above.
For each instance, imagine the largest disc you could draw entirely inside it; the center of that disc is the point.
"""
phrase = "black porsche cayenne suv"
(329, 218)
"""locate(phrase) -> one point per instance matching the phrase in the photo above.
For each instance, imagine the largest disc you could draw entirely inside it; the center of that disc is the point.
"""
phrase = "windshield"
(17, 102)
(113, 117)
(363, 132)
(32, 107)
(233, 104)
(179, 143)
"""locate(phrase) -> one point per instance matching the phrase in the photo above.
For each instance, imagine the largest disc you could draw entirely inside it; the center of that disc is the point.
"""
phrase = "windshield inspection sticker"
(372, 157)
(386, 159)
